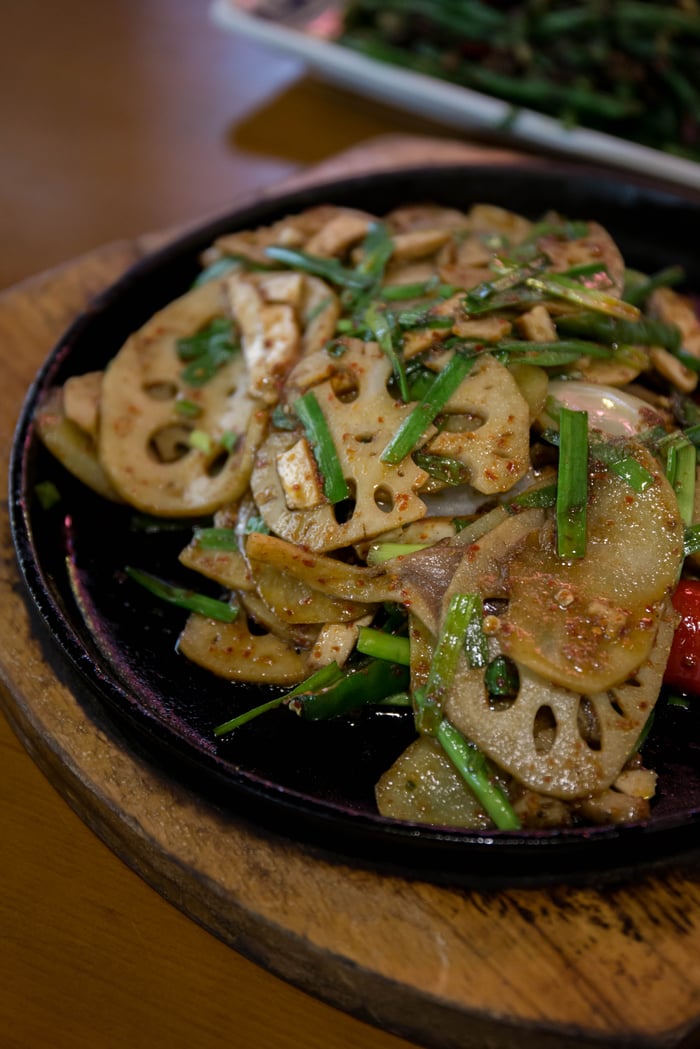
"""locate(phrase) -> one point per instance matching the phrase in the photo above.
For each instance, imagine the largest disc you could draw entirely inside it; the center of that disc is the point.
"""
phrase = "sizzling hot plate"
(312, 782)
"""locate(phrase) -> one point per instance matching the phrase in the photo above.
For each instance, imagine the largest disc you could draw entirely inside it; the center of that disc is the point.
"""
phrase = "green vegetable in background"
(628, 68)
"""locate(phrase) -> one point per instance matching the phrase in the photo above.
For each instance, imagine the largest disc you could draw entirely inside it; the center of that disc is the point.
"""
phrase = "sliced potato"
(231, 651)
(294, 601)
(227, 567)
(72, 446)
(423, 786)
(81, 401)
(587, 624)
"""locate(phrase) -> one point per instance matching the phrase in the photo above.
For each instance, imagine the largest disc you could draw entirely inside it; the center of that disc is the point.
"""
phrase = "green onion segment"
(190, 600)
(308, 409)
(572, 483)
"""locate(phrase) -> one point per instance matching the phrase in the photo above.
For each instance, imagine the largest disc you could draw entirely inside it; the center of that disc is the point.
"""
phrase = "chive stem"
(308, 409)
(380, 325)
(216, 538)
(450, 644)
(190, 600)
(381, 552)
(681, 464)
(380, 645)
(473, 767)
(562, 287)
(624, 466)
(572, 483)
(327, 268)
(319, 679)
(416, 423)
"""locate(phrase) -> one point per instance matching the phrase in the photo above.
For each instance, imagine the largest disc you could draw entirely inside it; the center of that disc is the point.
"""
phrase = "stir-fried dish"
(438, 460)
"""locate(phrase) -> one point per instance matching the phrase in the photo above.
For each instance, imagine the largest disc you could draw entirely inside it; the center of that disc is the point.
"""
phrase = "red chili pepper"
(683, 668)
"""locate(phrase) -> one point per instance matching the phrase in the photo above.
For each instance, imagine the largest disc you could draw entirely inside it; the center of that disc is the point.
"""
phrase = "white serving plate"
(304, 29)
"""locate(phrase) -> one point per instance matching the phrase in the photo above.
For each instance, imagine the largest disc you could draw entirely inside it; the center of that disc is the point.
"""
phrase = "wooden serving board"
(559, 967)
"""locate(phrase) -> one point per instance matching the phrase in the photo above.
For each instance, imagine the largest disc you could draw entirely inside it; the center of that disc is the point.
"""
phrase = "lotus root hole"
(615, 702)
(544, 730)
(161, 391)
(217, 464)
(384, 499)
(170, 443)
(460, 422)
(256, 629)
(589, 724)
(345, 386)
(344, 510)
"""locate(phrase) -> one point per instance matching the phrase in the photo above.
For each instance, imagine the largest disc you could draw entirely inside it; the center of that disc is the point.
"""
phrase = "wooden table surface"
(118, 118)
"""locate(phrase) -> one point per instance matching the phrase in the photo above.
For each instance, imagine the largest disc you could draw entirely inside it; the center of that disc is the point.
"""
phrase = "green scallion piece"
(450, 644)
(540, 498)
(361, 686)
(588, 269)
(464, 755)
(501, 678)
(572, 483)
(228, 440)
(683, 702)
(381, 552)
(691, 540)
(380, 645)
(442, 468)
(681, 464)
(206, 351)
(689, 360)
(567, 229)
(419, 379)
(422, 317)
(380, 325)
(200, 440)
(375, 251)
(561, 287)
(255, 523)
(431, 288)
(624, 466)
(416, 423)
(512, 277)
(551, 354)
(188, 408)
(216, 538)
(320, 679)
(638, 287)
(327, 268)
(692, 432)
(308, 409)
(190, 600)
(220, 268)
(47, 493)
(474, 769)
(615, 332)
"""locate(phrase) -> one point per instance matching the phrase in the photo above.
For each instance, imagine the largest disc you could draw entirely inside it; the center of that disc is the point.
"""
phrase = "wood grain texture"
(563, 967)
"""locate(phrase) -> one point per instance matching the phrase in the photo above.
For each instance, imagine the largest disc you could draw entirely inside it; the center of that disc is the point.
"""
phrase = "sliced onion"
(611, 410)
